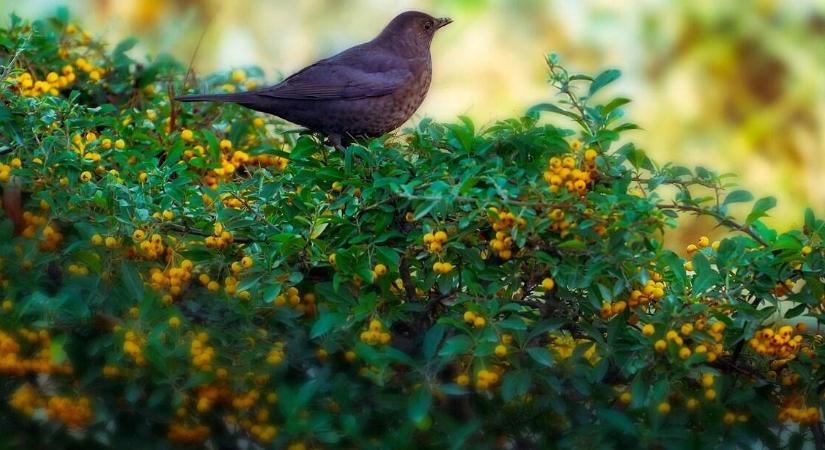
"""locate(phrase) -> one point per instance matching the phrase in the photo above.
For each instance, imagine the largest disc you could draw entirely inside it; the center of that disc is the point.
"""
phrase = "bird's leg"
(334, 140)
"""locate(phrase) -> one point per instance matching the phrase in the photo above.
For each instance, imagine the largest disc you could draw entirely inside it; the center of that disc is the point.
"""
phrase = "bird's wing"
(347, 76)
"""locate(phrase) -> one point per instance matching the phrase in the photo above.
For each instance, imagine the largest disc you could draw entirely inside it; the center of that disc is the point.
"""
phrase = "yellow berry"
(710, 394)
(187, 135)
(663, 408)
(660, 345)
(238, 75)
(501, 350)
(648, 330)
(174, 322)
(625, 398)
(548, 283)
(247, 262)
(704, 241)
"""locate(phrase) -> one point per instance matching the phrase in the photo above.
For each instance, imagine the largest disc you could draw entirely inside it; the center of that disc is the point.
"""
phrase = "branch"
(406, 278)
(10, 65)
(723, 220)
(819, 435)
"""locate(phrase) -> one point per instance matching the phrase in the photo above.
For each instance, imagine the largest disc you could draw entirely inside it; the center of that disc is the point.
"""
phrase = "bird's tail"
(233, 98)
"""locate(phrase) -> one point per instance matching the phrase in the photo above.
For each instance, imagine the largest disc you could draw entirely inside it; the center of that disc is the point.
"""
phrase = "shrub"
(203, 275)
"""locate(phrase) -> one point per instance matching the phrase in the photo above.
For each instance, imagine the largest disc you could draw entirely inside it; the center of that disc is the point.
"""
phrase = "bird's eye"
(428, 26)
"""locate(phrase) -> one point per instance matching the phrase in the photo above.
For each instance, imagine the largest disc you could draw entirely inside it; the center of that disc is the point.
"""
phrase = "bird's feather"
(348, 75)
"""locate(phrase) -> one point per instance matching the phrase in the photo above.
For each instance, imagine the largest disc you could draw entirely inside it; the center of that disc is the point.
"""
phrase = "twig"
(7, 68)
(723, 220)
(406, 278)
(819, 435)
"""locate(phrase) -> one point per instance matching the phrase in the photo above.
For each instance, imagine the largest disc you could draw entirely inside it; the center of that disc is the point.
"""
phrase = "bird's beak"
(442, 22)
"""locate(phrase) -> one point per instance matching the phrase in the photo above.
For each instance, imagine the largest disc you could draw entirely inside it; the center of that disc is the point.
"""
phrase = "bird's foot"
(334, 140)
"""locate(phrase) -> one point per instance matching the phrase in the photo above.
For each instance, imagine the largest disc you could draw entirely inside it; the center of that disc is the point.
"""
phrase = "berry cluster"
(567, 173)
(293, 298)
(375, 334)
(73, 412)
(187, 434)
(151, 248)
(795, 410)
(276, 354)
(781, 344)
(486, 379)
(563, 345)
(502, 223)
(14, 362)
(476, 320)
(173, 279)
(133, 347)
(220, 238)
(28, 85)
(201, 352)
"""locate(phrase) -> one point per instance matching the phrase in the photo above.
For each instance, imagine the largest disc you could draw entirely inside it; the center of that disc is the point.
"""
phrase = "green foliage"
(222, 277)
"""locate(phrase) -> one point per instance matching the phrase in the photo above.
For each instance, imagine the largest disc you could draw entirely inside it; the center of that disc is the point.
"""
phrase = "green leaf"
(760, 208)
(705, 275)
(603, 79)
(131, 281)
(456, 345)
(325, 322)
(738, 196)
(56, 348)
(542, 356)
(515, 384)
(549, 107)
(419, 404)
(617, 421)
(615, 103)
(572, 244)
(432, 339)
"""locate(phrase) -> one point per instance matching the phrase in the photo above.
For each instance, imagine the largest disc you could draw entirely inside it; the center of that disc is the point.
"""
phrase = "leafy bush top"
(203, 275)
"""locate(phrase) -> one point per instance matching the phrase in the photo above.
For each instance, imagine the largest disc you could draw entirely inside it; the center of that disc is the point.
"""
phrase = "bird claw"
(334, 140)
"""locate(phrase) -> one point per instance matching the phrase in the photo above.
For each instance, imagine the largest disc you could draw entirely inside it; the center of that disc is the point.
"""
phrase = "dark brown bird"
(364, 91)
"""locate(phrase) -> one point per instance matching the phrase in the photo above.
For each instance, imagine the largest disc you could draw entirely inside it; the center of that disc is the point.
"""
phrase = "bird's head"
(412, 32)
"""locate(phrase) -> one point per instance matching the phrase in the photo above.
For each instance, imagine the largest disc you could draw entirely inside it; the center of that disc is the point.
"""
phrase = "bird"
(362, 92)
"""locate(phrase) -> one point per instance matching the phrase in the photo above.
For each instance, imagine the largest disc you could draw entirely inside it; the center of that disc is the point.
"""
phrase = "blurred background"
(736, 86)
